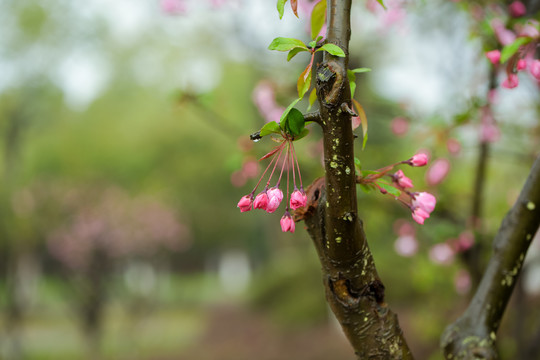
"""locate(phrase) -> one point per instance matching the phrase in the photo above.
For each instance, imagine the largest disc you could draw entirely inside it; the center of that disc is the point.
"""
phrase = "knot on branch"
(330, 83)
(460, 341)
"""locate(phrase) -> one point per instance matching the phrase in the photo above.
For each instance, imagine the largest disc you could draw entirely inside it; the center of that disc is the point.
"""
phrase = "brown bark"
(353, 288)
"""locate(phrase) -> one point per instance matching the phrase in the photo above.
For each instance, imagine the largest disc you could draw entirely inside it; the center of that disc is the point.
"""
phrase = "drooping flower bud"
(534, 69)
(437, 171)
(261, 201)
(287, 223)
(420, 159)
(298, 199)
(402, 180)
(419, 215)
(245, 203)
(517, 9)
(275, 196)
(424, 201)
(494, 56)
(511, 81)
(521, 65)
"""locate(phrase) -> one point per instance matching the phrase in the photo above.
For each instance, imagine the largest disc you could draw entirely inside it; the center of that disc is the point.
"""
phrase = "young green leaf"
(286, 112)
(363, 120)
(357, 163)
(304, 81)
(281, 7)
(366, 188)
(303, 134)
(312, 98)
(382, 4)
(390, 189)
(270, 128)
(294, 51)
(286, 44)
(318, 18)
(332, 49)
(509, 50)
(295, 122)
(360, 70)
(352, 81)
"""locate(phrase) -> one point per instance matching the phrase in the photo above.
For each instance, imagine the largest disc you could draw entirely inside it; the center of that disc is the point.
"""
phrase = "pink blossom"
(453, 146)
(287, 223)
(399, 126)
(250, 169)
(264, 99)
(465, 241)
(419, 159)
(419, 215)
(402, 180)
(504, 36)
(511, 81)
(521, 65)
(462, 282)
(517, 9)
(261, 201)
(441, 254)
(529, 30)
(174, 6)
(489, 132)
(245, 203)
(403, 227)
(437, 171)
(298, 199)
(494, 56)
(534, 69)
(275, 196)
(406, 245)
(424, 201)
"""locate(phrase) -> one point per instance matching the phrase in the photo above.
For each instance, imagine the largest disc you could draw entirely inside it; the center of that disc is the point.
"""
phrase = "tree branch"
(353, 288)
(473, 335)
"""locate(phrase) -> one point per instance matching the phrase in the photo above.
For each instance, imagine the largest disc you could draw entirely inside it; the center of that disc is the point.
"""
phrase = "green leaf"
(286, 112)
(318, 18)
(312, 98)
(270, 128)
(382, 4)
(366, 188)
(295, 122)
(509, 50)
(304, 81)
(332, 49)
(303, 134)
(390, 189)
(363, 121)
(286, 44)
(294, 51)
(357, 163)
(281, 7)
(360, 70)
(352, 81)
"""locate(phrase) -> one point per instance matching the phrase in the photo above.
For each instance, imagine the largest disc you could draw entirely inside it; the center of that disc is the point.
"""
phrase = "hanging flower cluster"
(270, 198)
(421, 204)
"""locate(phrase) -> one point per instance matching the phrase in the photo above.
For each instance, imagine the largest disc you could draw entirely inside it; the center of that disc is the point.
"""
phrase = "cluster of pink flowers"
(524, 58)
(271, 197)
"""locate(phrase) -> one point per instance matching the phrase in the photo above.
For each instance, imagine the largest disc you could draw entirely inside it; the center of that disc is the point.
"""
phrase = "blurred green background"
(124, 150)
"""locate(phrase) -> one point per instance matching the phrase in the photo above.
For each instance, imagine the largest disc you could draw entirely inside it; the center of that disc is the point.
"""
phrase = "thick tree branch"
(473, 335)
(353, 288)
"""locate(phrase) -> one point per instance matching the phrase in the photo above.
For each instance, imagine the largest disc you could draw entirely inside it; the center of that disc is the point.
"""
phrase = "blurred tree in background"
(124, 151)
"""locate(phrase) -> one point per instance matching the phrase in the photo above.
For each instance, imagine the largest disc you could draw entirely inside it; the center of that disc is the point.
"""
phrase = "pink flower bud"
(494, 56)
(534, 69)
(521, 65)
(406, 245)
(504, 36)
(298, 199)
(287, 223)
(437, 171)
(420, 159)
(441, 254)
(419, 215)
(453, 146)
(517, 9)
(275, 196)
(511, 81)
(261, 201)
(399, 126)
(424, 201)
(245, 203)
(402, 180)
